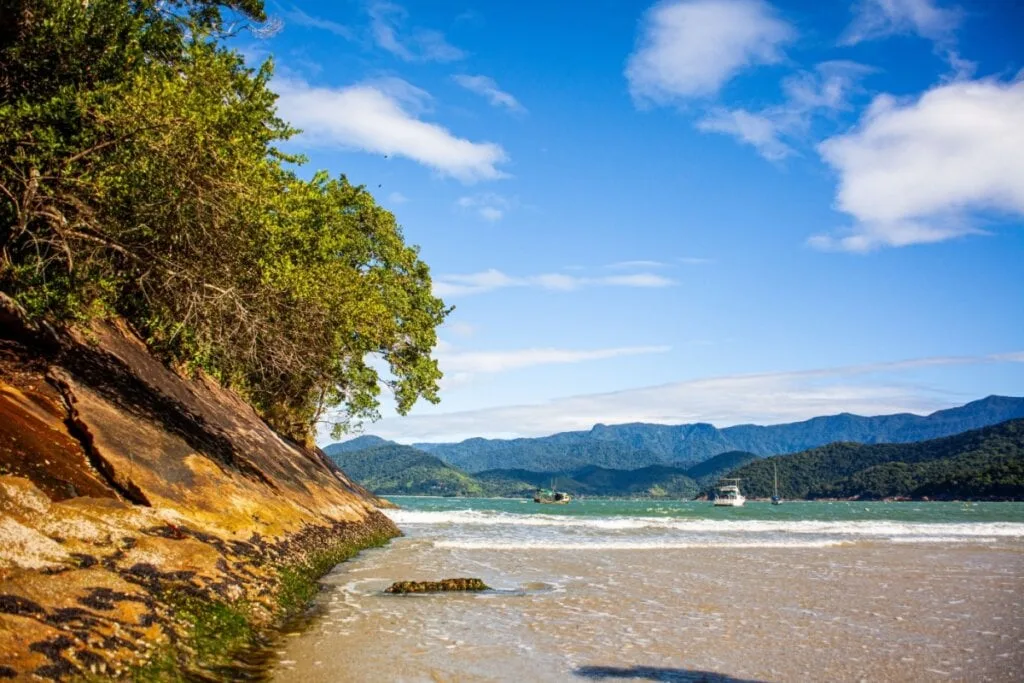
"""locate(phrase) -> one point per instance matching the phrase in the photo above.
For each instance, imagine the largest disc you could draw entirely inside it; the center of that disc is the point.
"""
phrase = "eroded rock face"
(127, 490)
(437, 586)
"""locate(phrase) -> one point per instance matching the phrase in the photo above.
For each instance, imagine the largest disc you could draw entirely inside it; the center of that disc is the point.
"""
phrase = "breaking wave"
(859, 528)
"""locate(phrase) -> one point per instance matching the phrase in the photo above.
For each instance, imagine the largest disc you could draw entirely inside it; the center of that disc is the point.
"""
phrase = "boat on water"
(551, 496)
(775, 498)
(728, 494)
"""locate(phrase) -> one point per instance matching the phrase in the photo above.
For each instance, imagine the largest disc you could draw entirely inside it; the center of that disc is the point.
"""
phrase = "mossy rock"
(402, 587)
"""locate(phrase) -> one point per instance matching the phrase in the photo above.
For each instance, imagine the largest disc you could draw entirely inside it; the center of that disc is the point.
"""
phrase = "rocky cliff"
(151, 524)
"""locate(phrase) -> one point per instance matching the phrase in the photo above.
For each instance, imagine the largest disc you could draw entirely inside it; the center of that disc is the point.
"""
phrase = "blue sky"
(709, 210)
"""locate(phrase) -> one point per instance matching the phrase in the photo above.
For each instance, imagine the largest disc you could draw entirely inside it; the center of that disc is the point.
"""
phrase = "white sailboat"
(775, 499)
(729, 494)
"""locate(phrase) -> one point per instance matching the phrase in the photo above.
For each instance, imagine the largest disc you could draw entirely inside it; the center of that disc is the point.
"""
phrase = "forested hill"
(632, 446)
(360, 443)
(392, 469)
(984, 463)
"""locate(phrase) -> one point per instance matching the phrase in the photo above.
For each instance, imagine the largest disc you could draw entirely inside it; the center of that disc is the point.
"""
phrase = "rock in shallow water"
(437, 586)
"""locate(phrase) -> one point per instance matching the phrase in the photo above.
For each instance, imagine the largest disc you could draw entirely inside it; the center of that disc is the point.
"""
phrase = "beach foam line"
(848, 527)
(634, 545)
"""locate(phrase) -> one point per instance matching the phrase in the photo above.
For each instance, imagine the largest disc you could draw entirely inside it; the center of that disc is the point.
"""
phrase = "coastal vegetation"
(142, 178)
(984, 463)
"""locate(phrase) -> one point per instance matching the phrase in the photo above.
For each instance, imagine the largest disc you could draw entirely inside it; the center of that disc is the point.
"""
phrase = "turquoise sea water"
(792, 510)
(497, 523)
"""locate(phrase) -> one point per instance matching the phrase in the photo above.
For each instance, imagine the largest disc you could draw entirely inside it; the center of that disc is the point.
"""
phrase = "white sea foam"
(882, 528)
(633, 545)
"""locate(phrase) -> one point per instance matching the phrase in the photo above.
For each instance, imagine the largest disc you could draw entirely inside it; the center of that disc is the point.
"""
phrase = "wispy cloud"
(767, 398)
(488, 88)
(490, 280)
(691, 48)
(382, 117)
(633, 280)
(296, 16)
(695, 260)
(490, 206)
(825, 90)
(387, 24)
(877, 19)
(914, 172)
(478, 362)
(874, 19)
(397, 198)
(761, 131)
(632, 265)
(461, 328)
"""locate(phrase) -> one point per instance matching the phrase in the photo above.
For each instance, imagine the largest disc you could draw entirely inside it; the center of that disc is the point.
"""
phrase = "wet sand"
(865, 611)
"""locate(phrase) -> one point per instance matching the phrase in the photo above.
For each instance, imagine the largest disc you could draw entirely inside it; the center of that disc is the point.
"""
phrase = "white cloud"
(695, 260)
(490, 280)
(488, 88)
(460, 328)
(381, 117)
(876, 19)
(828, 87)
(758, 130)
(473, 283)
(488, 205)
(767, 398)
(690, 48)
(630, 265)
(634, 280)
(478, 362)
(920, 171)
(397, 198)
(418, 45)
(825, 90)
(299, 18)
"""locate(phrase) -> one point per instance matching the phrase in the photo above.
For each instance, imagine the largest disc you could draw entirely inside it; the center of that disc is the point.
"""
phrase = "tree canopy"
(140, 178)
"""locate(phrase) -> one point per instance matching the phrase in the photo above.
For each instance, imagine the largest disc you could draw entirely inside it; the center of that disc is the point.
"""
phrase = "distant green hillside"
(360, 443)
(709, 471)
(659, 481)
(982, 463)
(393, 469)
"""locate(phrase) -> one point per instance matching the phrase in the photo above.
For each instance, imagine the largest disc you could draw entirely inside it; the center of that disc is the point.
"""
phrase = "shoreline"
(700, 500)
(231, 642)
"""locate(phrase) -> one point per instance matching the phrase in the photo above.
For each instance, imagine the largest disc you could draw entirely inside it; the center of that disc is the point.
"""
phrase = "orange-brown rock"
(126, 488)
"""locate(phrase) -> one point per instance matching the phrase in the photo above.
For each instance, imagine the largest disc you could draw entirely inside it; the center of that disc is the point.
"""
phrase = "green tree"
(139, 178)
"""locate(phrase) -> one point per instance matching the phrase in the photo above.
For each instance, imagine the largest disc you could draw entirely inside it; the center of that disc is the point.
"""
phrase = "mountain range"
(638, 445)
(392, 469)
(980, 464)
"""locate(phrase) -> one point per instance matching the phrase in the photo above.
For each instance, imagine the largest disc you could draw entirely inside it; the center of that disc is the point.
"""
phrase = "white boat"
(729, 495)
(775, 499)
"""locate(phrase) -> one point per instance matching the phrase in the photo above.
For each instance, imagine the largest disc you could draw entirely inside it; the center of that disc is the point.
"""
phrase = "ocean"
(616, 590)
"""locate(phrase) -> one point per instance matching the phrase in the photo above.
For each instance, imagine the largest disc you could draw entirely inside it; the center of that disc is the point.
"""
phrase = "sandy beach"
(799, 608)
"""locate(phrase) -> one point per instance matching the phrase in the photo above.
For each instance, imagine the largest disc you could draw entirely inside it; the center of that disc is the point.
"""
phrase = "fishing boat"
(728, 494)
(775, 499)
(551, 496)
